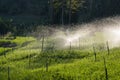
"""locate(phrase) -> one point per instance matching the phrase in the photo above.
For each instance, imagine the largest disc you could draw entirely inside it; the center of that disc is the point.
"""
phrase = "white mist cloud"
(97, 32)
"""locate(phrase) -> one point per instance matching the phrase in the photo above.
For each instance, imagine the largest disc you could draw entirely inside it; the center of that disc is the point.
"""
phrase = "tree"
(51, 11)
(5, 26)
(70, 3)
(67, 8)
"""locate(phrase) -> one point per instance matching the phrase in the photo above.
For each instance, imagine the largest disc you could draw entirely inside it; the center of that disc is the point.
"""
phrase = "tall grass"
(28, 63)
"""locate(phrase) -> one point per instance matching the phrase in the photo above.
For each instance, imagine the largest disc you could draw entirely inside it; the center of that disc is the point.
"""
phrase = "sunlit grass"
(28, 62)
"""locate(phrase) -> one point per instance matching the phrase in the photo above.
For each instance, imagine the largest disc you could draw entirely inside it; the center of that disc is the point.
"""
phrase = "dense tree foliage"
(66, 9)
(50, 11)
(6, 26)
(36, 12)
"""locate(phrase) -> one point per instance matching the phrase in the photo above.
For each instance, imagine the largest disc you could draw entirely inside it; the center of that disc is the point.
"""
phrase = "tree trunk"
(51, 11)
(70, 12)
(62, 15)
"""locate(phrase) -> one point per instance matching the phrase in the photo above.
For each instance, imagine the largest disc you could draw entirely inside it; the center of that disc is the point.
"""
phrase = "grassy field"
(27, 61)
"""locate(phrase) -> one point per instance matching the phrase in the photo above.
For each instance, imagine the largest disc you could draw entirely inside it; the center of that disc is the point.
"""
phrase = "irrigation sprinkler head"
(69, 40)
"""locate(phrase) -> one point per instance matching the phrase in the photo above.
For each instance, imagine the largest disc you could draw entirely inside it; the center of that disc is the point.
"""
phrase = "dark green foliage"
(74, 10)
(5, 26)
(26, 15)
(65, 10)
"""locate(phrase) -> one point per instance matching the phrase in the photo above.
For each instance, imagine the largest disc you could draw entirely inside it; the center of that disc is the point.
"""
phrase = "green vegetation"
(34, 45)
(19, 41)
(42, 11)
(29, 63)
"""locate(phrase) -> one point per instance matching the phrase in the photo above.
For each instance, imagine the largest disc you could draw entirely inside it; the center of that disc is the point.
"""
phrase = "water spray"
(99, 32)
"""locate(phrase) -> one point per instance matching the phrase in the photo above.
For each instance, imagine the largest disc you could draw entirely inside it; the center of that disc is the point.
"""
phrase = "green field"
(29, 61)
